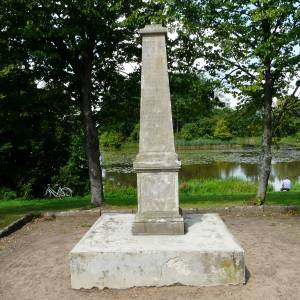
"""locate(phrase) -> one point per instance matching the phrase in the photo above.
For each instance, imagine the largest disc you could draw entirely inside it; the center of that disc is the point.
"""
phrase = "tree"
(253, 46)
(79, 45)
(221, 130)
(34, 138)
(287, 114)
(192, 97)
(32, 120)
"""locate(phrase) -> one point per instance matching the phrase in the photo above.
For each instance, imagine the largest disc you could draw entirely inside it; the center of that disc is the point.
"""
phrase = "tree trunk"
(91, 133)
(266, 154)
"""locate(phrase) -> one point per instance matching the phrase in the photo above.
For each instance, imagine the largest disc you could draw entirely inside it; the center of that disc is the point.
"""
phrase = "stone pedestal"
(151, 249)
(156, 164)
(109, 255)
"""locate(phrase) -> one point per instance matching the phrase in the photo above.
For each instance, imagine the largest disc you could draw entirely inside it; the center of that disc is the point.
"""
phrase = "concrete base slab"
(109, 255)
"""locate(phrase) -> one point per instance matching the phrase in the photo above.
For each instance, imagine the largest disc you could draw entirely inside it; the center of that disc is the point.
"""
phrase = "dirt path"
(34, 263)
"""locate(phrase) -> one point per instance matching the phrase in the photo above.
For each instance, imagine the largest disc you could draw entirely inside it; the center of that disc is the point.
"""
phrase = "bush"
(111, 139)
(7, 194)
(25, 189)
(135, 134)
(296, 187)
(189, 131)
(74, 174)
(221, 130)
(205, 127)
(199, 129)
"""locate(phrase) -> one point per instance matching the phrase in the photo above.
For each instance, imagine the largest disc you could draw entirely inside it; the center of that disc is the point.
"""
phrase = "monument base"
(109, 255)
(158, 224)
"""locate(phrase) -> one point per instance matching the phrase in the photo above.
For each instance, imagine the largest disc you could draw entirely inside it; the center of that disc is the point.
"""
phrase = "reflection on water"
(246, 171)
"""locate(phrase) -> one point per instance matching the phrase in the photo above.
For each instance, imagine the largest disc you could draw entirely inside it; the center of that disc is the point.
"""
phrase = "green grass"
(252, 140)
(218, 186)
(194, 193)
(11, 210)
(202, 141)
(296, 187)
(290, 140)
(6, 219)
(255, 141)
(132, 147)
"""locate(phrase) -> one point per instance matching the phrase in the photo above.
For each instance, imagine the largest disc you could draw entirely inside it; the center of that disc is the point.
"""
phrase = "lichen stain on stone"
(230, 271)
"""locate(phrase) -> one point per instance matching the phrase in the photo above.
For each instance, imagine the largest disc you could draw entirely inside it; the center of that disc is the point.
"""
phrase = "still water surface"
(241, 163)
(223, 170)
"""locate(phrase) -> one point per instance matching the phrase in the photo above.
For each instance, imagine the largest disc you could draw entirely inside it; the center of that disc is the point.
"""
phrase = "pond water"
(216, 162)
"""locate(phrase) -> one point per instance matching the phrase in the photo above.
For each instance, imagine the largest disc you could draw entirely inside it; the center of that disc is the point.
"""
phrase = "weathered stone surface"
(156, 128)
(157, 164)
(109, 255)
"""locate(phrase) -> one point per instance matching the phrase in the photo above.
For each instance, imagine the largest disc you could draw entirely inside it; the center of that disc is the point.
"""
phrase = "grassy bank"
(201, 194)
(253, 140)
(290, 140)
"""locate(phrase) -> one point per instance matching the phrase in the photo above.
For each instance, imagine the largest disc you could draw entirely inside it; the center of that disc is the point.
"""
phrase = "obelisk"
(156, 164)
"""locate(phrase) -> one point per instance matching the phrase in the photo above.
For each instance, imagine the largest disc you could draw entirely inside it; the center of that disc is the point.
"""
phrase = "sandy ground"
(34, 262)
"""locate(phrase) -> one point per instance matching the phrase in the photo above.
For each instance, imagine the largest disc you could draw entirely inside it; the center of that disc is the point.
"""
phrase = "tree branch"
(238, 66)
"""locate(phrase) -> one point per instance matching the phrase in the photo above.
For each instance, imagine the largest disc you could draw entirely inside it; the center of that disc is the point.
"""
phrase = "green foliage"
(122, 104)
(189, 131)
(192, 98)
(129, 191)
(201, 141)
(287, 117)
(203, 128)
(218, 186)
(54, 42)
(6, 193)
(252, 45)
(111, 139)
(74, 174)
(221, 130)
(34, 136)
(259, 201)
(26, 188)
(296, 187)
(135, 133)
(253, 140)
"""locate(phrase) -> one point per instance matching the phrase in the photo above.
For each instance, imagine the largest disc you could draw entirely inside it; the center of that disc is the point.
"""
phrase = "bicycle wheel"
(50, 193)
(67, 191)
(47, 194)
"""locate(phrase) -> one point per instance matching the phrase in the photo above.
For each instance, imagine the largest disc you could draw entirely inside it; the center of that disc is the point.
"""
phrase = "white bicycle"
(59, 193)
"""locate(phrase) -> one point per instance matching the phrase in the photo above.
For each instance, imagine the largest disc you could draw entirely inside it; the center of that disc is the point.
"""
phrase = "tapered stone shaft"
(156, 163)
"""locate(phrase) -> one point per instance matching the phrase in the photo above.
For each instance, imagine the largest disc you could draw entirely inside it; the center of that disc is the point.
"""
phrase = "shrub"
(134, 136)
(74, 174)
(296, 187)
(221, 130)
(25, 189)
(7, 194)
(189, 131)
(205, 127)
(111, 139)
